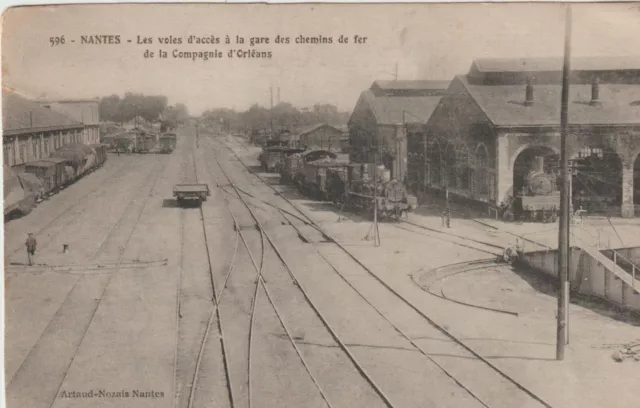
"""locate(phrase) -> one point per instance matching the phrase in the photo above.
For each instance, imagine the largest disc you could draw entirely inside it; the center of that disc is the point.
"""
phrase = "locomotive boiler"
(346, 188)
(539, 199)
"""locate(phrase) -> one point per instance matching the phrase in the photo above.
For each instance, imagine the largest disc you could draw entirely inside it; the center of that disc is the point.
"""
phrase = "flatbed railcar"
(191, 194)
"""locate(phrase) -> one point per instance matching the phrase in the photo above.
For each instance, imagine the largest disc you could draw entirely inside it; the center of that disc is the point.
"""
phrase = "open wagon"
(191, 194)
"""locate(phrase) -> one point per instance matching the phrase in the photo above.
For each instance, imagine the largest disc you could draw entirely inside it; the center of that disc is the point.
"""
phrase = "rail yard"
(262, 297)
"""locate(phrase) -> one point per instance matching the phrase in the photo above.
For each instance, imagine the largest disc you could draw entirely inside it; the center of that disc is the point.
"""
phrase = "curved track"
(265, 286)
(426, 317)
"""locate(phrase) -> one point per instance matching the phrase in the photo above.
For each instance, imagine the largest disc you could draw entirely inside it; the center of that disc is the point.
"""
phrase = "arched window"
(450, 161)
(481, 174)
(434, 158)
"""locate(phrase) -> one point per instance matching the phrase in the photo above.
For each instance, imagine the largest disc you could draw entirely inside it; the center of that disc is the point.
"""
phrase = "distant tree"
(118, 109)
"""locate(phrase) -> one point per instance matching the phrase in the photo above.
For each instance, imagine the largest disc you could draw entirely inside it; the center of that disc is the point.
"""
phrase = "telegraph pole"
(563, 235)
(271, 110)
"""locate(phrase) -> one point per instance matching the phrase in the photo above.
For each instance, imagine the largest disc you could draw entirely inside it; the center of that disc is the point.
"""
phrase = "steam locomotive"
(346, 188)
(539, 200)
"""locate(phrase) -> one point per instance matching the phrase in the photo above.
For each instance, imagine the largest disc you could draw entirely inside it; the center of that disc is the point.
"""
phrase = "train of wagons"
(321, 175)
(45, 177)
(141, 141)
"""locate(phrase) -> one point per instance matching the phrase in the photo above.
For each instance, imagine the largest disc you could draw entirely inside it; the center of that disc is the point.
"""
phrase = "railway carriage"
(17, 198)
(47, 172)
(101, 153)
(60, 174)
(167, 143)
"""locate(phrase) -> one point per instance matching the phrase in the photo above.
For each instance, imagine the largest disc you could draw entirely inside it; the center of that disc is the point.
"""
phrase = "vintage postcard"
(321, 205)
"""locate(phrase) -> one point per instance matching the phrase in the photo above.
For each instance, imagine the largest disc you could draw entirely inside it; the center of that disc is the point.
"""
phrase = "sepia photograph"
(321, 205)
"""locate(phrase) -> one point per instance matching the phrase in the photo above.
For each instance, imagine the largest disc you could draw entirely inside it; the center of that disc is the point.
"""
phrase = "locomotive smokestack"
(529, 93)
(595, 92)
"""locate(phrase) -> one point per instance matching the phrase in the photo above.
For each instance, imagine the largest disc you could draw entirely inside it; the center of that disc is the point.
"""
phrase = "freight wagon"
(167, 142)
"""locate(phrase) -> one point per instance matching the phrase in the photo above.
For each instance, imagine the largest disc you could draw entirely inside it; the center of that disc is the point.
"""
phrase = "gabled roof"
(504, 104)
(20, 115)
(508, 71)
(396, 110)
(410, 85)
(545, 64)
(310, 128)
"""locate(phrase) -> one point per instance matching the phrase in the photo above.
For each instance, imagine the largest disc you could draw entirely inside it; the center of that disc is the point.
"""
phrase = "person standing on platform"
(31, 247)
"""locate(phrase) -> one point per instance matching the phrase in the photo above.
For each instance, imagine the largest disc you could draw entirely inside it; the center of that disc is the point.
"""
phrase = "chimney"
(529, 93)
(595, 92)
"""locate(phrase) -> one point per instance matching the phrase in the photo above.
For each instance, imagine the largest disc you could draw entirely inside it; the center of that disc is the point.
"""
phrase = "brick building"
(32, 132)
(379, 118)
(85, 111)
(503, 118)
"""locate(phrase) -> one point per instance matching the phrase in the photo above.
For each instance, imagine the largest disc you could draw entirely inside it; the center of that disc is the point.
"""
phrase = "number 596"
(56, 40)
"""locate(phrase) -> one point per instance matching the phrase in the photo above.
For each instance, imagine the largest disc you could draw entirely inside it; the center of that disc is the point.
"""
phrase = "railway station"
(497, 125)
(204, 245)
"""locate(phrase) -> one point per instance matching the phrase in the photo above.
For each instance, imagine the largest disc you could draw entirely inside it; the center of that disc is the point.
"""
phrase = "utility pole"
(271, 110)
(376, 234)
(563, 235)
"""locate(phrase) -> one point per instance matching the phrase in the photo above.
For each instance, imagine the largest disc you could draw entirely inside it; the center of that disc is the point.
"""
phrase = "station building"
(319, 136)
(85, 111)
(502, 120)
(377, 124)
(32, 132)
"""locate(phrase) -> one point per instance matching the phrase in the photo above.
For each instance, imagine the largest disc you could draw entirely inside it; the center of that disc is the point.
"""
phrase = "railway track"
(43, 342)
(123, 171)
(514, 383)
(268, 239)
(191, 379)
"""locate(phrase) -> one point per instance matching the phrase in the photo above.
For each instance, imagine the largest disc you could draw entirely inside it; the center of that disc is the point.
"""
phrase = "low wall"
(588, 276)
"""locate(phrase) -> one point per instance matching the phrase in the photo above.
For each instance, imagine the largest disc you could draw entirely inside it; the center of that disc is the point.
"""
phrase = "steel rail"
(473, 305)
(71, 291)
(236, 226)
(104, 291)
(78, 201)
(396, 328)
(215, 312)
(265, 287)
(402, 298)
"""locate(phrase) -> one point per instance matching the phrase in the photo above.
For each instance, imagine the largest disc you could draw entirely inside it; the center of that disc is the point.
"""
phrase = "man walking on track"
(31, 247)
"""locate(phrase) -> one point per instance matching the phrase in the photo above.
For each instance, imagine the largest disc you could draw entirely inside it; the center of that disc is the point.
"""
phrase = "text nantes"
(100, 39)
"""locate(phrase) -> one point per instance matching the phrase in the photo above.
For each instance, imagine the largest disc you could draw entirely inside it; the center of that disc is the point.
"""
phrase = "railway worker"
(31, 244)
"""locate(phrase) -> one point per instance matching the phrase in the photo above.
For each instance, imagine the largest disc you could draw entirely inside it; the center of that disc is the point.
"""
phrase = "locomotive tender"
(320, 175)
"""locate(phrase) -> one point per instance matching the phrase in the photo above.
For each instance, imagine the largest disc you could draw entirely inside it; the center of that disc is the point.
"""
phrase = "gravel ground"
(524, 347)
(116, 327)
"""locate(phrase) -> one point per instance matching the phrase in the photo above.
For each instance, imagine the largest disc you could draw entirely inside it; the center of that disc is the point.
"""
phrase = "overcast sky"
(426, 41)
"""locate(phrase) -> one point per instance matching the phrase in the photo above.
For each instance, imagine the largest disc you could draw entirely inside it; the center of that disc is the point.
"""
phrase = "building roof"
(411, 85)
(545, 64)
(504, 104)
(396, 110)
(507, 71)
(68, 100)
(20, 115)
(310, 128)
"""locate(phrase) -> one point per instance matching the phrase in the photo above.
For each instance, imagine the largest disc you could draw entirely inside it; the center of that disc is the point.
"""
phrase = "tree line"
(150, 107)
(283, 116)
